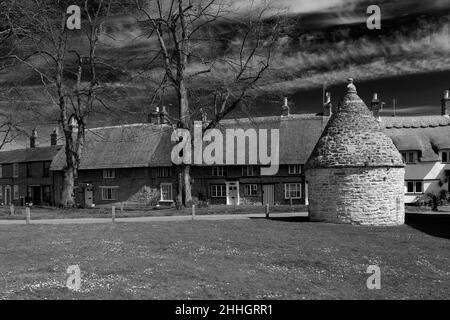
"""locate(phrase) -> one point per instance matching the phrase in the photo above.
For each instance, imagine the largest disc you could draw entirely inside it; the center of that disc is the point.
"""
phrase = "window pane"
(444, 156)
(418, 186)
(410, 186)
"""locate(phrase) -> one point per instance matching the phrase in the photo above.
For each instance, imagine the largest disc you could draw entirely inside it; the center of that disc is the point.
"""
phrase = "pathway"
(213, 217)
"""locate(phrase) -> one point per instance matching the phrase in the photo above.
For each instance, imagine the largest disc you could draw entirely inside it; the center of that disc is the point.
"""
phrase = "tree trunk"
(180, 188)
(186, 123)
(187, 185)
(67, 196)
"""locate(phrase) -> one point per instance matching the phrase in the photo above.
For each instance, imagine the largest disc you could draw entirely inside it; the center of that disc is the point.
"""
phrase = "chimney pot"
(445, 103)
(54, 137)
(375, 106)
(285, 108)
(33, 138)
(327, 107)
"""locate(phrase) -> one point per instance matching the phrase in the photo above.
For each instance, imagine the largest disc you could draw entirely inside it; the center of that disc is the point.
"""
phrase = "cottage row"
(132, 163)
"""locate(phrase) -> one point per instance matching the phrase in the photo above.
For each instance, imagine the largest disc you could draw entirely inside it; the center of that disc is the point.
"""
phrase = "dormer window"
(218, 171)
(15, 170)
(248, 171)
(109, 173)
(409, 157)
(445, 156)
(294, 169)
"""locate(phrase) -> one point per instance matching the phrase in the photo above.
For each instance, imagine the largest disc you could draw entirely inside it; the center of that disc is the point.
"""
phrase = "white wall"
(428, 172)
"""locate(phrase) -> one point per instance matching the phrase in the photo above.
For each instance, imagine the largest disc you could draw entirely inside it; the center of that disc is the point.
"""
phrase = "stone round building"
(355, 174)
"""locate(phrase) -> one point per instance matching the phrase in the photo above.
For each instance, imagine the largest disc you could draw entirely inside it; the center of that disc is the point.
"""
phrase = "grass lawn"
(236, 259)
(56, 213)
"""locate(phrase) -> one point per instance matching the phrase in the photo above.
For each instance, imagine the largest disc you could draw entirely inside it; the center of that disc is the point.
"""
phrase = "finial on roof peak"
(351, 87)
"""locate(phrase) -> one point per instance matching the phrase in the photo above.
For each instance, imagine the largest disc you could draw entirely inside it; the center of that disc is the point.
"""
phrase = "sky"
(323, 43)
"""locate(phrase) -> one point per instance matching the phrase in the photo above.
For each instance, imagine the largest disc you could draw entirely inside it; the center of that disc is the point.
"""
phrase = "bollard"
(267, 210)
(11, 209)
(290, 203)
(193, 211)
(113, 214)
(121, 208)
(28, 214)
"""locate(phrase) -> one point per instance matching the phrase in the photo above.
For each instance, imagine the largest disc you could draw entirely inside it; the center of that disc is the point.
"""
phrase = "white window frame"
(288, 190)
(415, 182)
(215, 190)
(170, 191)
(251, 189)
(44, 169)
(294, 169)
(164, 172)
(248, 171)
(406, 155)
(447, 152)
(218, 171)
(113, 194)
(15, 170)
(16, 194)
(109, 173)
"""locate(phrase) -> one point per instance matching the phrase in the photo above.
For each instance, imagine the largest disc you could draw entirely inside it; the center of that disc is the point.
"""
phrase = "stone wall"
(357, 195)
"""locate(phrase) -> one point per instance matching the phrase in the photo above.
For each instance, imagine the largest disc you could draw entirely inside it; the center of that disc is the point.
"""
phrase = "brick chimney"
(445, 103)
(375, 105)
(327, 106)
(33, 138)
(154, 117)
(163, 116)
(54, 137)
(204, 115)
(285, 108)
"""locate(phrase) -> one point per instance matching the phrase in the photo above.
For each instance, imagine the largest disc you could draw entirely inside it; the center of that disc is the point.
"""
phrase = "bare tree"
(66, 62)
(9, 126)
(191, 52)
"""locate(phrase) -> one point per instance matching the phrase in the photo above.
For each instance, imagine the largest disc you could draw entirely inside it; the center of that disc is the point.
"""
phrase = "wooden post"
(11, 209)
(267, 210)
(306, 193)
(193, 211)
(28, 214)
(113, 214)
(290, 202)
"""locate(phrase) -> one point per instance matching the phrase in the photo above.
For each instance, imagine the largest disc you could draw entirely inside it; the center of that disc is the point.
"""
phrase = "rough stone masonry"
(355, 174)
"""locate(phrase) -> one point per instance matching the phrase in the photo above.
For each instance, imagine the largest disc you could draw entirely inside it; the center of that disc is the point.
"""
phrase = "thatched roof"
(29, 155)
(127, 146)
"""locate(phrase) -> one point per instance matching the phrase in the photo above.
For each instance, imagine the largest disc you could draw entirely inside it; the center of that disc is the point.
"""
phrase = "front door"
(268, 194)
(233, 193)
(7, 195)
(88, 195)
(36, 195)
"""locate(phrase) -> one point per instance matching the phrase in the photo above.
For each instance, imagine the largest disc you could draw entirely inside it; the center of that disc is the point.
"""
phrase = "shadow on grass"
(285, 219)
(437, 225)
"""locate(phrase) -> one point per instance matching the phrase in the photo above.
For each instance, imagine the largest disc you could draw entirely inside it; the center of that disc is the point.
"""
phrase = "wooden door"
(268, 194)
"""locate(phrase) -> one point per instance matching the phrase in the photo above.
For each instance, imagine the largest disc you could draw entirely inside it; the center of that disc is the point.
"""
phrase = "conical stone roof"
(354, 138)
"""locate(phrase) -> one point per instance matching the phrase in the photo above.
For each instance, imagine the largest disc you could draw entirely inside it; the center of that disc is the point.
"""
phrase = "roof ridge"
(126, 126)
